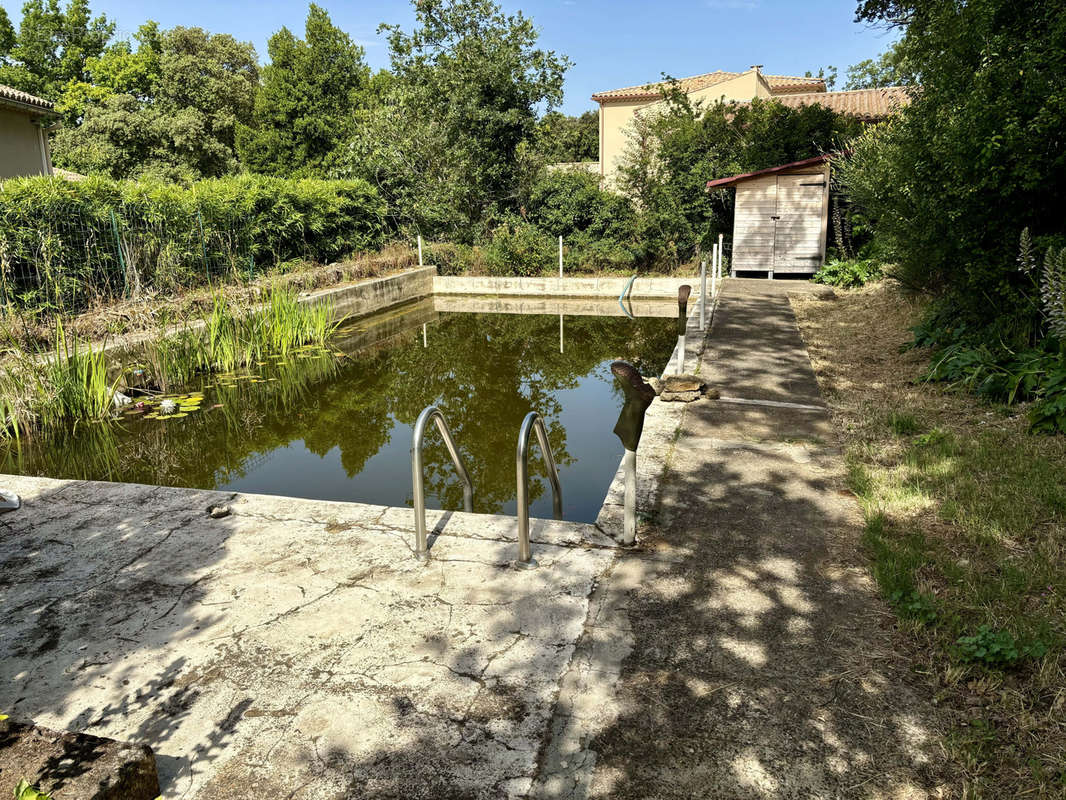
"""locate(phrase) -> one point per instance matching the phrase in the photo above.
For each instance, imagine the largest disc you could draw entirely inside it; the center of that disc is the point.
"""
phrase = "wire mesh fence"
(75, 258)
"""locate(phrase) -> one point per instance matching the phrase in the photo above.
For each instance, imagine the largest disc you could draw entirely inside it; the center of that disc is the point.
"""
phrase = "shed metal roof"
(722, 183)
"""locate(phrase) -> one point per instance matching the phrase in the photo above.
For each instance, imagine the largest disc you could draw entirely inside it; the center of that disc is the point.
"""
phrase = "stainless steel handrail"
(418, 479)
(533, 421)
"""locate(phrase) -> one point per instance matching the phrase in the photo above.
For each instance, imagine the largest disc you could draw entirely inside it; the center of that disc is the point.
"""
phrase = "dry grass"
(966, 527)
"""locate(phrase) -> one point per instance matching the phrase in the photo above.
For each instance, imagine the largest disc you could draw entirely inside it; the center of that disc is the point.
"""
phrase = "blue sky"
(612, 44)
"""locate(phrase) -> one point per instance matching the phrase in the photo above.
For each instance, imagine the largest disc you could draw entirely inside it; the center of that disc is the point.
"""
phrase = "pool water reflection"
(334, 428)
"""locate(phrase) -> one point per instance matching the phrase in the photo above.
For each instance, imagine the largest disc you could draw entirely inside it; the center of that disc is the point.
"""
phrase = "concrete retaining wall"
(367, 297)
(565, 287)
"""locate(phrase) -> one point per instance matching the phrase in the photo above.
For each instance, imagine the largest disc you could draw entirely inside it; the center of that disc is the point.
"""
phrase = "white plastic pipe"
(703, 293)
(714, 270)
(629, 518)
(720, 238)
(420, 250)
(560, 256)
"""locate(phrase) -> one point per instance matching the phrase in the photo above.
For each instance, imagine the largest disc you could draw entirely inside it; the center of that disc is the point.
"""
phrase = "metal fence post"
(703, 291)
(203, 245)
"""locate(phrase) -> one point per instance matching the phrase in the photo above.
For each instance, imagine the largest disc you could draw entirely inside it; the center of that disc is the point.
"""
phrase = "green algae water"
(337, 424)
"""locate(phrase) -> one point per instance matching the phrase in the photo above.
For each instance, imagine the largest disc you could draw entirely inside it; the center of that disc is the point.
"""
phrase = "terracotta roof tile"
(778, 84)
(23, 98)
(866, 104)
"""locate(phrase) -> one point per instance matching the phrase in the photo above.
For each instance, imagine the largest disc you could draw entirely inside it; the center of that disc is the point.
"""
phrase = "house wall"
(23, 149)
(614, 121)
(615, 117)
(744, 87)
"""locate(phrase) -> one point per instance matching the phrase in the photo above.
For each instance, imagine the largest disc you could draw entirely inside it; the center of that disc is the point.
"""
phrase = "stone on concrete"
(75, 766)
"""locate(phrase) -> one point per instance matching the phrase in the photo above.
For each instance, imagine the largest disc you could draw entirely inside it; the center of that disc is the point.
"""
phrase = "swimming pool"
(338, 426)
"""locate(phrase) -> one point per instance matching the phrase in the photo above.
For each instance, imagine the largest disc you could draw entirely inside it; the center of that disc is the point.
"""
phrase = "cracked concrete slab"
(293, 648)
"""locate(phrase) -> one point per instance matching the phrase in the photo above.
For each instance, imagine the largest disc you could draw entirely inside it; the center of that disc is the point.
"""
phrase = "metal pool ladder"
(533, 421)
(418, 479)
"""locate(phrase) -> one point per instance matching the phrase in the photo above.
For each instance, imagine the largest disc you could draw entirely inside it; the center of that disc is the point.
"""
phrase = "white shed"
(781, 218)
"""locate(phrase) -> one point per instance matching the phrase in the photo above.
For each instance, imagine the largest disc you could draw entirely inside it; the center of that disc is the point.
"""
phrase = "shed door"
(800, 223)
(753, 228)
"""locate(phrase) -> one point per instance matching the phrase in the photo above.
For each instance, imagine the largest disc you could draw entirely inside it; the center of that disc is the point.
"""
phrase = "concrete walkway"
(742, 650)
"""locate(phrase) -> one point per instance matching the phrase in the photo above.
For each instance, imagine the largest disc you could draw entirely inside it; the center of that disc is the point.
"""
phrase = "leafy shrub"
(453, 259)
(598, 227)
(849, 274)
(997, 649)
(64, 245)
(520, 249)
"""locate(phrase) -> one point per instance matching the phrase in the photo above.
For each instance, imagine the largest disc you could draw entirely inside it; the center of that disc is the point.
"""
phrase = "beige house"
(23, 135)
(618, 107)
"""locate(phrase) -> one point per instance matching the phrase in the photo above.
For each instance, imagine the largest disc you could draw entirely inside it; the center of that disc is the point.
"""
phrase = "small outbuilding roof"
(13, 96)
(722, 183)
(779, 84)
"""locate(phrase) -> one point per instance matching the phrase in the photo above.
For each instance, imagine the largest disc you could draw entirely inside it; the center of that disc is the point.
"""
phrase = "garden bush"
(64, 245)
(520, 249)
(849, 274)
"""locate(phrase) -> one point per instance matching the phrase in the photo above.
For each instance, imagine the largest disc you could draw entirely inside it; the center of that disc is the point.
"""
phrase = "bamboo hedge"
(67, 245)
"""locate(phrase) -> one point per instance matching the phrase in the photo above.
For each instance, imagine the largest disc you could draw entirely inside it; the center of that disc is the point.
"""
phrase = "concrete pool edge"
(661, 424)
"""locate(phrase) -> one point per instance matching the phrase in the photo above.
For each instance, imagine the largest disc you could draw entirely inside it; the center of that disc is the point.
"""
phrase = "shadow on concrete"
(87, 604)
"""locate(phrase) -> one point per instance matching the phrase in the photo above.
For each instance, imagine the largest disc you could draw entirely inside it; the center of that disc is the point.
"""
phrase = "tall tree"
(119, 70)
(305, 106)
(52, 46)
(7, 35)
(202, 86)
(565, 138)
(450, 139)
(892, 68)
(978, 154)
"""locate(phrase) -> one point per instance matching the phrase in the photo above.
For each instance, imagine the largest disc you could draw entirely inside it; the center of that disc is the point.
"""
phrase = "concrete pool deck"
(294, 648)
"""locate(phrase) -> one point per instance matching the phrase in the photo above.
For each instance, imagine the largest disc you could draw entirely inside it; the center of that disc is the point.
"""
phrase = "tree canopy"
(978, 153)
(306, 105)
(170, 108)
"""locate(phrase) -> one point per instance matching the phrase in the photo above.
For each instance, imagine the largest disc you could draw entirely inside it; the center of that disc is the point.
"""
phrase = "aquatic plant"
(68, 384)
(232, 338)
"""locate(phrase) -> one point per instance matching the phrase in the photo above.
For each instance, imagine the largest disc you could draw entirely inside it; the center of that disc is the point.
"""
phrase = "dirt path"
(742, 650)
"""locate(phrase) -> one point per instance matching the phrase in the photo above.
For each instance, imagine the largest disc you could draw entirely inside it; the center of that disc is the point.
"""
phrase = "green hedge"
(64, 245)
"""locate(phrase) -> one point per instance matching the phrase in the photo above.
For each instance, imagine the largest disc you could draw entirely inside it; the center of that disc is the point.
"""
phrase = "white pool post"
(629, 518)
(425, 341)
(714, 270)
(560, 333)
(721, 236)
(420, 249)
(560, 256)
(703, 291)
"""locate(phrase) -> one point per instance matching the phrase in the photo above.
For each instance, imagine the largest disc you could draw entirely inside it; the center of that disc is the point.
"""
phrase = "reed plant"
(232, 338)
(70, 384)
